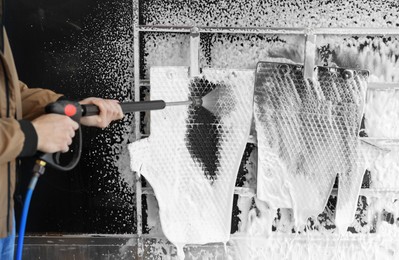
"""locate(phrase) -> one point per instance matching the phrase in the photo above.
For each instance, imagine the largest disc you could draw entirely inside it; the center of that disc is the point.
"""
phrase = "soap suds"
(378, 54)
(385, 171)
(381, 114)
(303, 13)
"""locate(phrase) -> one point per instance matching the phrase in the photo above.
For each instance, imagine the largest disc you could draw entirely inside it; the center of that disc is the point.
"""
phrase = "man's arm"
(55, 132)
(34, 100)
(48, 133)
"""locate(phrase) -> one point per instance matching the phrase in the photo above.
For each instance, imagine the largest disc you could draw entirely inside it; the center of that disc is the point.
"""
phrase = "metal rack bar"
(251, 192)
(237, 30)
(357, 31)
(136, 94)
(251, 139)
(194, 52)
(375, 86)
(241, 191)
(270, 30)
(310, 56)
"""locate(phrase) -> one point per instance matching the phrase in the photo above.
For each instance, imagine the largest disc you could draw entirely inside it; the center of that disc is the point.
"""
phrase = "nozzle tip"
(197, 101)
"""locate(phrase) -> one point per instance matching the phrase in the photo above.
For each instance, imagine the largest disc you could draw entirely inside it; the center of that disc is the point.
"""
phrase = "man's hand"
(54, 132)
(110, 110)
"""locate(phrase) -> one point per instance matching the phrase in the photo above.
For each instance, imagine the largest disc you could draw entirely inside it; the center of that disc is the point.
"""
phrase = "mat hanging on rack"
(307, 135)
(192, 155)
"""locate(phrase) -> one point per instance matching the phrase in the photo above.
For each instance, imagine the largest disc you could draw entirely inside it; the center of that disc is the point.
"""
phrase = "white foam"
(382, 116)
(193, 209)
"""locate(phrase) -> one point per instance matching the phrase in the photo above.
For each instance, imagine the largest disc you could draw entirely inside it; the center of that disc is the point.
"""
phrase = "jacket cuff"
(31, 139)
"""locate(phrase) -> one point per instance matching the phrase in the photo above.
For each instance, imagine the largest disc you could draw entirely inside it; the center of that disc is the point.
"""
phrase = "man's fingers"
(110, 110)
(69, 142)
(118, 110)
(102, 114)
(72, 133)
(75, 126)
(65, 149)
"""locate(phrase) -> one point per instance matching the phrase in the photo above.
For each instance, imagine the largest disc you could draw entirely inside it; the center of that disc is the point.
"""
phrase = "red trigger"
(70, 110)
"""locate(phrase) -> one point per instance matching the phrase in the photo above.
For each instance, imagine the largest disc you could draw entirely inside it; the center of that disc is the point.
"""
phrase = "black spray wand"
(129, 107)
(208, 101)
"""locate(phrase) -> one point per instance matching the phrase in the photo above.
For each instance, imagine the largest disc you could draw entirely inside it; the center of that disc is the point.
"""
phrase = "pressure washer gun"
(76, 111)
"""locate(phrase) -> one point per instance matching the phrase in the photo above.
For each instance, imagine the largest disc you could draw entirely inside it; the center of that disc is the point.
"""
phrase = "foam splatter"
(381, 114)
(378, 54)
(303, 13)
(104, 52)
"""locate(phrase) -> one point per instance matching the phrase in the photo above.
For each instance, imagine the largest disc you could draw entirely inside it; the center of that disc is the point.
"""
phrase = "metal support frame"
(194, 52)
(310, 55)
(309, 63)
(136, 95)
(271, 30)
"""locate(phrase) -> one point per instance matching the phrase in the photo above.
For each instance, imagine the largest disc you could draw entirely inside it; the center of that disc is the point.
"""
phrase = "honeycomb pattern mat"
(192, 155)
(307, 135)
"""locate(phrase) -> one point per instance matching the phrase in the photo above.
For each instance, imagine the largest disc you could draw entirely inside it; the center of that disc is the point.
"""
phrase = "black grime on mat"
(203, 130)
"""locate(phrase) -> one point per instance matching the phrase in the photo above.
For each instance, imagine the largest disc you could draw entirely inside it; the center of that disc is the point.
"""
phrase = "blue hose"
(21, 232)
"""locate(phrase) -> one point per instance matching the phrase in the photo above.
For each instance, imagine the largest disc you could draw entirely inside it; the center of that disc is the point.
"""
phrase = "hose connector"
(40, 167)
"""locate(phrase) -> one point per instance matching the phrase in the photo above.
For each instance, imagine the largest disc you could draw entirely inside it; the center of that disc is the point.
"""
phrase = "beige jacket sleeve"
(18, 137)
(34, 100)
(11, 138)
